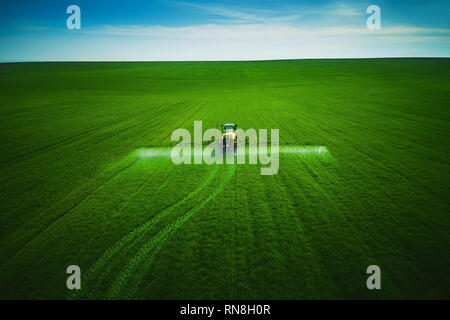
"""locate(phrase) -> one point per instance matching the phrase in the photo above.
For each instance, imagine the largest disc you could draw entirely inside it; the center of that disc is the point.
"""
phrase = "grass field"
(73, 189)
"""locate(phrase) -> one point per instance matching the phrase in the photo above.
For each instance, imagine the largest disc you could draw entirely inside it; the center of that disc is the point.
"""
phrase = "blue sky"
(221, 30)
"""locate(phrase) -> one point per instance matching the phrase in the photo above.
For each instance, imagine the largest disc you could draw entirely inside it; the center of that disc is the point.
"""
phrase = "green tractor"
(229, 135)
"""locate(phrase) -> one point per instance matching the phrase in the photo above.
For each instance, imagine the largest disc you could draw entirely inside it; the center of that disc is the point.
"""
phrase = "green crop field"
(74, 189)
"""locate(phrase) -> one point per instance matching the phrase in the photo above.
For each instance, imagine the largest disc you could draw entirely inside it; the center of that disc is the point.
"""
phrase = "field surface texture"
(77, 186)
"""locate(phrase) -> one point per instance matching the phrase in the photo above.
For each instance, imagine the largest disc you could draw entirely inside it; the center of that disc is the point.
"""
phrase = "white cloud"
(249, 31)
(239, 22)
(260, 41)
(242, 14)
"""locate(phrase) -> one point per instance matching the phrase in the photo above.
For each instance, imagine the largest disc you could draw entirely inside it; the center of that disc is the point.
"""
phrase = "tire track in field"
(148, 180)
(98, 271)
(67, 211)
(66, 139)
(133, 273)
(153, 115)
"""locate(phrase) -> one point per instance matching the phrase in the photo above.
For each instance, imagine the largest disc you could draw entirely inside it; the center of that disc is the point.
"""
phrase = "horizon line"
(243, 60)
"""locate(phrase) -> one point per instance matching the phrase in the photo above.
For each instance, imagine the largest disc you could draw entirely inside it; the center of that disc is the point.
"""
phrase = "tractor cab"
(228, 127)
